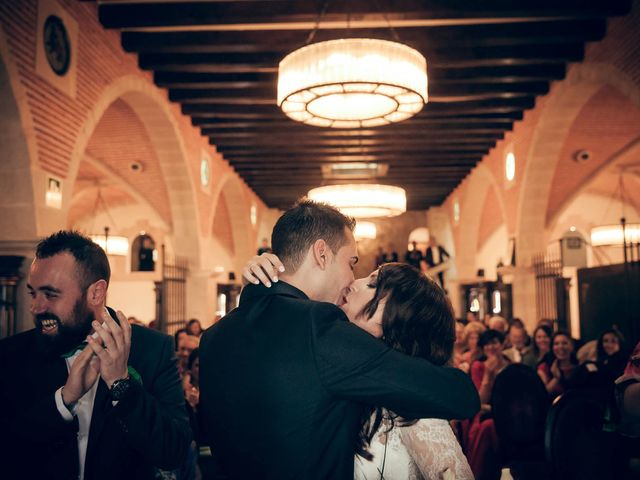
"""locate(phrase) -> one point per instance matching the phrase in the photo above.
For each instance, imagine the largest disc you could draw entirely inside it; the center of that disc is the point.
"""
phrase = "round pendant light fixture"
(352, 83)
(363, 200)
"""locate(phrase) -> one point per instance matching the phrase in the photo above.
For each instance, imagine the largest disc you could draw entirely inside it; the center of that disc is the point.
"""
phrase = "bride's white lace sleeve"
(434, 448)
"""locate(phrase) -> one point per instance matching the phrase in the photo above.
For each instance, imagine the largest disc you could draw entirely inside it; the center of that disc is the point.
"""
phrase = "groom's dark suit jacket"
(127, 441)
(284, 380)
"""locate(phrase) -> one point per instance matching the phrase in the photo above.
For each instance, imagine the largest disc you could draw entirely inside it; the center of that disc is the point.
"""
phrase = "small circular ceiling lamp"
(352, 83)
(363, 200)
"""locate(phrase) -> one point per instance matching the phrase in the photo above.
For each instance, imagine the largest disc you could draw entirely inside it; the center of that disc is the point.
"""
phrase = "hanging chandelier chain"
(319, 18)
(394, 33)
(101, 201)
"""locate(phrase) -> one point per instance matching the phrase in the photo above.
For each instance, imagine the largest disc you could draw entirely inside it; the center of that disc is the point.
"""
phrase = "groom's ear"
(320, 251)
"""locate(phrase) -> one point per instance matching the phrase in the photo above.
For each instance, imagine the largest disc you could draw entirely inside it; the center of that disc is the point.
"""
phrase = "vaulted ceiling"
(487, 62)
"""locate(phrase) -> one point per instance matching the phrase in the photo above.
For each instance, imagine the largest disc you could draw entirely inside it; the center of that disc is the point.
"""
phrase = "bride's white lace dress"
(424, 450)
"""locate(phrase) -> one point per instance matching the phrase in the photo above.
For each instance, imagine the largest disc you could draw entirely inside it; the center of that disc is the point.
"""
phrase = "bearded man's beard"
(71, 332)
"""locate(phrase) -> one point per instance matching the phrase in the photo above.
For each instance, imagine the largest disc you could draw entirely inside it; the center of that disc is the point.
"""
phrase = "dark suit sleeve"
(154, 417)
(428, 257)
(354, 365)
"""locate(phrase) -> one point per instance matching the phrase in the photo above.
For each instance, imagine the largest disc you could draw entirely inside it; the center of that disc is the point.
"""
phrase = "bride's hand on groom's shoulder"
(262, 269)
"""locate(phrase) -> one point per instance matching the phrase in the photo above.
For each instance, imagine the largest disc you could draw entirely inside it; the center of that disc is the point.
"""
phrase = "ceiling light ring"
(396, 105)
(363, 200)
(318, 84)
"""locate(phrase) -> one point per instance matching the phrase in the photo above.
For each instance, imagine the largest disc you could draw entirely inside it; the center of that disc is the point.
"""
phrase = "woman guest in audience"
(558, 377)
(179, 335)
(472, 332)
(459, 348)
(485, 369)
(186, 345)
(411, 314)
(194, 327)
(611, 355)
(542, 342)
(480, 439)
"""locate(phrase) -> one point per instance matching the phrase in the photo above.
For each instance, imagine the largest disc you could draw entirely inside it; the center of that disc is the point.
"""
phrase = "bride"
(410, 313)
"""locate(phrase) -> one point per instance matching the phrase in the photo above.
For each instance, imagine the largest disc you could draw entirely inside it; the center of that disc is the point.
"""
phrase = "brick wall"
(59, 120)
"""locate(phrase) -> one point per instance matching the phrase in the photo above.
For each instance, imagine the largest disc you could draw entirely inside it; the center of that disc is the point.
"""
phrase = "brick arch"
(16, 182)
(472, 212)
(563, 105)
(229, 191)
(151, 107)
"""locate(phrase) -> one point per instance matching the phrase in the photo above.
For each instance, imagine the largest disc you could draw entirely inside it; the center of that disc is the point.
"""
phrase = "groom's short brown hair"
(300, 226)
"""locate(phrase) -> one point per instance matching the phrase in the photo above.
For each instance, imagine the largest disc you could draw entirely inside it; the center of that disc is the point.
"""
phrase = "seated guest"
(520, 352)
(186, 345)
(588, 352)
(557, 377)
(485, 369)
(498, 323)
(480, 439)
(459, 346)
(182, 332)
(628, 396)
(472, 332)
(194, 327)
(611, 355)
(541, 344)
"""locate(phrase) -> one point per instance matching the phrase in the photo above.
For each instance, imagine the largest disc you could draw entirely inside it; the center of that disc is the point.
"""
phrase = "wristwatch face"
(56, 45)
(120, 388)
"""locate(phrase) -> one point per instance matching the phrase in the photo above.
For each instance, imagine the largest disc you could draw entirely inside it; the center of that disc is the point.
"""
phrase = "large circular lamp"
(363, 200)
(352, 83)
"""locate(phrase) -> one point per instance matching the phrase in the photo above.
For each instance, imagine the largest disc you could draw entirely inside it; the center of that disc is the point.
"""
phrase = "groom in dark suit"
(73, 405)
(284, 376)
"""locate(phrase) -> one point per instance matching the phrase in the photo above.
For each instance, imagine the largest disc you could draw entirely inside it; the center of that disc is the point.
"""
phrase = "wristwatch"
(121, 388)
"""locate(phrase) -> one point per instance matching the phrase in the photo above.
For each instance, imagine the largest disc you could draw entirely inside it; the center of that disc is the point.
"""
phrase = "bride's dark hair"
(417, 320)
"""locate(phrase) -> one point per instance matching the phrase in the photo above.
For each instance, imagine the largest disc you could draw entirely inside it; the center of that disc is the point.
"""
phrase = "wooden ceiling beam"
(496, 106)
(254, 120)
(355, 14)
(471, 107)
(373, 144)
(447, 58)
(284, 41)
(508, 90)
(263, 128)
(267, 159)
(497, 74)
(304, 170)
(289, 133)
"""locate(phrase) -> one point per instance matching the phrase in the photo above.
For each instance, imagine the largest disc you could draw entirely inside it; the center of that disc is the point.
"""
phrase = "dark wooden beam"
(472, 148)
(229, 147)
(472, 107)
(290, 133)
(284, 41)
(257, 128)
(305, 169)
(303, 15)
(497, 74)
(460, 57)
(418, 158)
(254, 120)
(438, 91)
